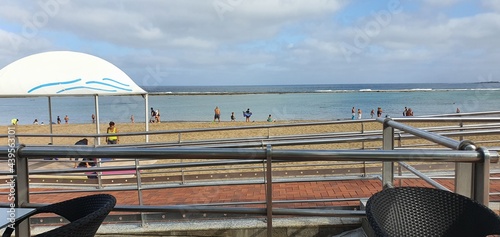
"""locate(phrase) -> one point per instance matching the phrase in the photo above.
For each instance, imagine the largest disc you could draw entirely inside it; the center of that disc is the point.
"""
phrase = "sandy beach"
(175, 127)
(184, 131)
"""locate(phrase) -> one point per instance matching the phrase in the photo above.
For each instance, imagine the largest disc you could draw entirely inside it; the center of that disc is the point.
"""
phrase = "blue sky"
(252, 42)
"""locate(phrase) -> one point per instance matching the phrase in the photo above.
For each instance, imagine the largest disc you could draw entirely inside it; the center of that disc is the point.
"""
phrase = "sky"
(265, 42)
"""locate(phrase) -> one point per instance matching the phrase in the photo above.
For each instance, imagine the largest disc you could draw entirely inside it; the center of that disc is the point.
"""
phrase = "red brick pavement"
(253, 193)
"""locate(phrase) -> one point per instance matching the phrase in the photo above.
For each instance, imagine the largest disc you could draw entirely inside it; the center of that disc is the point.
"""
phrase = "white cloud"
(491, 4)
(265, 40)
(192, 42)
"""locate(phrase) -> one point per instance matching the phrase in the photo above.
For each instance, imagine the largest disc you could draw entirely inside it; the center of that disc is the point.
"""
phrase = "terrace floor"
(346, 189)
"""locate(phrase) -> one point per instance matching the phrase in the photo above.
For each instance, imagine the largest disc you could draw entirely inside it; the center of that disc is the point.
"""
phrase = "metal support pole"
(146, 107)
(139, 190)
(97, 140)
(362, 132)
(269, 193)
(50, 121)
(22, 190)
(388, 144)
(362, 148)
(464, 175)
(482, 178)
(400, 173)
(399, 140)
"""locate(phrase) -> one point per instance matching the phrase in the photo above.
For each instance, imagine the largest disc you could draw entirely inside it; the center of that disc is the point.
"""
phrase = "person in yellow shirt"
(112, 139)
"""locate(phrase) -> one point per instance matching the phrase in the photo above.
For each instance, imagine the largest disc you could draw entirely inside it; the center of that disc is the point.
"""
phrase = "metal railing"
(464, 153)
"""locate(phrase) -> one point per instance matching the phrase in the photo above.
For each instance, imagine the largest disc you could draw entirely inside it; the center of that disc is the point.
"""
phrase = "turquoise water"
(300, 102)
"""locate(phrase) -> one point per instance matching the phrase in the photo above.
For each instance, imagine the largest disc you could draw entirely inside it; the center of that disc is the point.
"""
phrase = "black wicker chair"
(416, 211)
(85, 214)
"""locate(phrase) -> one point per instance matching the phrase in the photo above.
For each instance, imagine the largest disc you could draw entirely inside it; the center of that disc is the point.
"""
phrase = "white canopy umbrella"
(66, 73)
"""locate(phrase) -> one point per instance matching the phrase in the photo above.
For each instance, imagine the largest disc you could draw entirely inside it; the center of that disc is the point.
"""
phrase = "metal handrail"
(442, 140)
(251, 154)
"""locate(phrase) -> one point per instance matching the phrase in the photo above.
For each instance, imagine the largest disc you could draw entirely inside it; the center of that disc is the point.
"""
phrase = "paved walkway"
(256, 192)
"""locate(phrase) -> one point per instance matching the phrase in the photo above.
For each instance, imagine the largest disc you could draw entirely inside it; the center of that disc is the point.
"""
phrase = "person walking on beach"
(157, 116)
(112, 130)
(232, 117)
(372, 113)
(58, 120)
(359, 114)
(132, 118)
(153, 115)
(379, 112)
(217, 114)
(409, 112)
(66, 119)
(247, 115)
(353, 113)
(93, 118)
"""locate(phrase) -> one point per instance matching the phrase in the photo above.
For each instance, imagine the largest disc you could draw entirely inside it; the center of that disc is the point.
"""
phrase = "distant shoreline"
(319, 92)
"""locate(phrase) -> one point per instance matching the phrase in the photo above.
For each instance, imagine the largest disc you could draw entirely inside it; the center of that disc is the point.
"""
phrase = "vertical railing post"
(388, 144)
(464, 178)
(139, 190)
(146, 116)
(50, 121)
(482, 178)
(179, 140)
(362, 132)
(22, 190)
(97, 139)
(363, 147)
(269, 192)
(399, 140)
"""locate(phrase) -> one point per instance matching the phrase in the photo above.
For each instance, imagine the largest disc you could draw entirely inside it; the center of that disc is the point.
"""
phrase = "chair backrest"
(417, 211)
(85, 214)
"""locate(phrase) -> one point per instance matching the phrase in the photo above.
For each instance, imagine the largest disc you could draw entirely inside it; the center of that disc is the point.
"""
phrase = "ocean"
(283, 102)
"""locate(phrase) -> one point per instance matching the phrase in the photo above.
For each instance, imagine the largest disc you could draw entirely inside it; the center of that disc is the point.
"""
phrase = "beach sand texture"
(186, 133)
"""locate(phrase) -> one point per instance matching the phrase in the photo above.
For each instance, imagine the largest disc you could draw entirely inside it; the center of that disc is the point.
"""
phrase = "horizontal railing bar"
(465, 114)
(439, 139)
(252, 154)
(446, 119)
(238, 203)
(306, 140)
(202, 184)
(320, 212)
(230, 210)
(148, 167)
